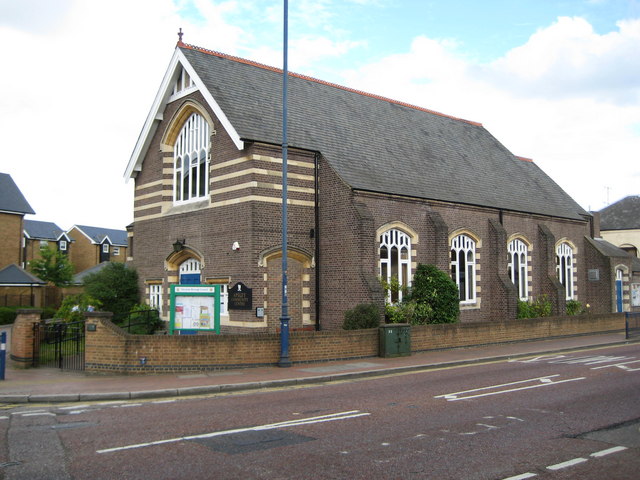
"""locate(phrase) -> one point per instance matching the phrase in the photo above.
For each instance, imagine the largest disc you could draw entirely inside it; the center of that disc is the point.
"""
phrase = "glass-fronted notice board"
(194, 308)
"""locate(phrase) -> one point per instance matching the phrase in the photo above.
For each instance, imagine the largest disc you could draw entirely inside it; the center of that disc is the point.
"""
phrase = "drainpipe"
(316, 158)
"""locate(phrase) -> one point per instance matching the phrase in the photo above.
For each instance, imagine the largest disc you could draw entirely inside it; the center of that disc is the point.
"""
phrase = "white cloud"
(557, 99)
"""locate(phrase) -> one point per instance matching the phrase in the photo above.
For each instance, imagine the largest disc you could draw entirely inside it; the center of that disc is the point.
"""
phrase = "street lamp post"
(284, 318)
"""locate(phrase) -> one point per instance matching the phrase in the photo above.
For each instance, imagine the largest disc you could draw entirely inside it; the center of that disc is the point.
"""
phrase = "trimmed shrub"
(364, 315)
(540, 307)
(434, 296)
(574, 307)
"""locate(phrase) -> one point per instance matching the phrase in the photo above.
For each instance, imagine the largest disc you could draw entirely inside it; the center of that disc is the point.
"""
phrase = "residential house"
(94, 245)
(13, 208)
(17, 286)
(375, 187)
(620, 224)
(39, 235)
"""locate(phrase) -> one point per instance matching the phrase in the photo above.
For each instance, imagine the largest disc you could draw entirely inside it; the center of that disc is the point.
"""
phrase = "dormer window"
(62, 245)
(191, 173)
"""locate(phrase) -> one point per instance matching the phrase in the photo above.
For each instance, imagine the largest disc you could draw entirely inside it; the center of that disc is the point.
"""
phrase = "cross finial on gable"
(180, 35)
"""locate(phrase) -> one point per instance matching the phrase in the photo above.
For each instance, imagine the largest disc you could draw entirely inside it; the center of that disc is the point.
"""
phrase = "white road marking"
(568, 463)
(74, 407)
(39, 414)
(544, 382)
(522, 476)
(622, 366)
(288, 423)
(4, 418)
(608, 451)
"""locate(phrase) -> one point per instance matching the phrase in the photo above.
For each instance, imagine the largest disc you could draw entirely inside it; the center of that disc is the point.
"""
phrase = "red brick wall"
(111, 349)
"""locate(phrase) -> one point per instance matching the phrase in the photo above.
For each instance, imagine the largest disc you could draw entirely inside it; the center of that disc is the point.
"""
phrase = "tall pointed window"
(564, 268)
(191, 172)
(395, 262)
(517, 268)
(463, 267)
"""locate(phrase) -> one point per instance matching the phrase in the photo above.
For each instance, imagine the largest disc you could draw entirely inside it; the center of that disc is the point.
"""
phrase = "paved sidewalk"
(44, 385)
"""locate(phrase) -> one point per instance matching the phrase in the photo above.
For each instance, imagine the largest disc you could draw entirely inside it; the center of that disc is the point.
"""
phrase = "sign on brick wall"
(194, 308)
(240, 297)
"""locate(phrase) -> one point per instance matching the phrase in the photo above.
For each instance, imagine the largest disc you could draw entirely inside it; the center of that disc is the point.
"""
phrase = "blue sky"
(557, 81)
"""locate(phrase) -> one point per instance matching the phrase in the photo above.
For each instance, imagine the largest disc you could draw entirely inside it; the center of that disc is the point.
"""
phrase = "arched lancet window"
(564, 268)
(463, 267)
(517, 268)
(191, 175)
(190, 272)
(395, 262)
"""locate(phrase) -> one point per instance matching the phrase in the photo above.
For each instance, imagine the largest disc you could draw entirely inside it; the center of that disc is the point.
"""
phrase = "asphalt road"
(555, 417)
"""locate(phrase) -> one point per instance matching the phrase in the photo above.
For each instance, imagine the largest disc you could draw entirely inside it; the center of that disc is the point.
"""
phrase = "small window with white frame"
(155, 296)
(116, 251)
(105, 248)
(62, 245)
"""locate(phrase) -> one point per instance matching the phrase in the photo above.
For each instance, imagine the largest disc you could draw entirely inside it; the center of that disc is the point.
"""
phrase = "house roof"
(98, 235)
(11, 198)
(622, 215)
(78, 278)
(607, 249)
(14, 275)
(38, 230)
(374, 143)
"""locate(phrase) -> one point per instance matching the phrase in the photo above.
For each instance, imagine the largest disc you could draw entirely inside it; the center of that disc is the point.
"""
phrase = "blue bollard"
(3, 353)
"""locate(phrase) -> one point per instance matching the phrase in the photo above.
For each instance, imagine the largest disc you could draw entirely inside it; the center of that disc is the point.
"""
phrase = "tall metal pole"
(284, 318)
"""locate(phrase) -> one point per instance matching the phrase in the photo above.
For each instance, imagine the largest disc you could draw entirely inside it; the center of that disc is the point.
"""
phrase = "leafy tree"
(116, 287)
(53, 266)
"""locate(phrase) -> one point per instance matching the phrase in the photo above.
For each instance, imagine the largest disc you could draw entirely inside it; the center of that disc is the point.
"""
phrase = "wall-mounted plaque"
(240, 297)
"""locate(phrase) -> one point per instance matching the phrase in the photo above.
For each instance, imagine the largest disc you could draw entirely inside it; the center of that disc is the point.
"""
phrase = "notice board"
(194, 308)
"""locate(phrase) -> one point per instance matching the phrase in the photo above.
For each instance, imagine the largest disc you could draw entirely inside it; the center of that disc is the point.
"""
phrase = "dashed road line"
(567, 464)
(570, 463)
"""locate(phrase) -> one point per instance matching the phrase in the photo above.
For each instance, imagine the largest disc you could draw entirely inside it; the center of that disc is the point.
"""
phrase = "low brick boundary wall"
(110, 349)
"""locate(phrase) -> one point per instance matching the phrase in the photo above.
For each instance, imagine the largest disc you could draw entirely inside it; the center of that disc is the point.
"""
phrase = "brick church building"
(375, 187)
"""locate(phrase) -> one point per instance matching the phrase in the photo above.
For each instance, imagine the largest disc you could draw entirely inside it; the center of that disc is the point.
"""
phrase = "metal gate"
(59, 345)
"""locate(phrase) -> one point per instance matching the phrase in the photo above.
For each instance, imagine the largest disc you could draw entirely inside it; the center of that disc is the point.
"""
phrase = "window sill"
(187, 207)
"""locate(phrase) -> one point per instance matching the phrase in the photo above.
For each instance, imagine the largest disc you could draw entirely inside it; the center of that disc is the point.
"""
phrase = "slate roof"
(11, 198)
(78, 278)
(15, 275)
(374, 143)
(607, 249)
(42, 230)
(98, 234)
(622, 215)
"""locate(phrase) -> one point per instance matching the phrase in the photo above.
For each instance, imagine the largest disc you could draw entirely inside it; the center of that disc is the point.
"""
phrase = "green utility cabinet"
(395, 340)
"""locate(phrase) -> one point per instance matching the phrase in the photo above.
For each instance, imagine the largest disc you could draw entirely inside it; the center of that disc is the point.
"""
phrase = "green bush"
(434, 296)
(74, 306)
(364, 315)
(142, 320)
(116, 287)
(540, 307)
(7, 315)
(399, 313)
(574, 307)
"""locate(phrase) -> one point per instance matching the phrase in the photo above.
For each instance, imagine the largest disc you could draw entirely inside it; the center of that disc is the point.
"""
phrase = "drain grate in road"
(626, 434)
(251, 441)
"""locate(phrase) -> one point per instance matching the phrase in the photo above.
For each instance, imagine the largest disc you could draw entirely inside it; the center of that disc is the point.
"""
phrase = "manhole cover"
(252, 441)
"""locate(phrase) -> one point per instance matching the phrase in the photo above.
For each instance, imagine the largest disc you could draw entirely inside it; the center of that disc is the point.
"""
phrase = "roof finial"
(180, 35)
